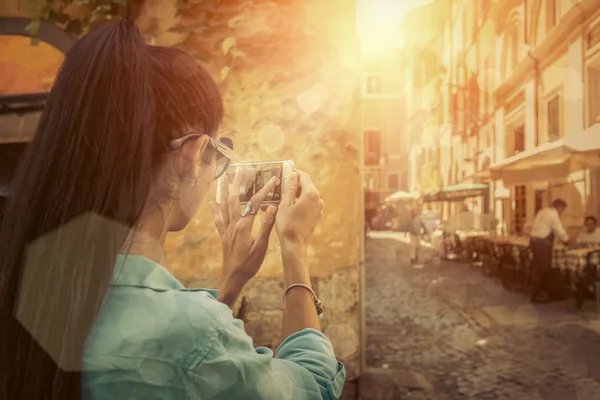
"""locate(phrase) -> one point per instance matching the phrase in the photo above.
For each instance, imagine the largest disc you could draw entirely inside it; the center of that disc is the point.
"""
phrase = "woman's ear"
(188, 164)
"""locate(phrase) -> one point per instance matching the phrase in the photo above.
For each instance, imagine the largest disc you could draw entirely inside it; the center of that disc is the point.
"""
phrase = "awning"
(551, 160)
(457, 192)
(399, 196)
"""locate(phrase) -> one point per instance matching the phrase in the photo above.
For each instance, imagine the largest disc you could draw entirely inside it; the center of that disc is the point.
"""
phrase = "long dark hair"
(80, 186)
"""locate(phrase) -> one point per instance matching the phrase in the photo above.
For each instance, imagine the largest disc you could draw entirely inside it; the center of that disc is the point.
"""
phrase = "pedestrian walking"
(417, 228)
(547, 226)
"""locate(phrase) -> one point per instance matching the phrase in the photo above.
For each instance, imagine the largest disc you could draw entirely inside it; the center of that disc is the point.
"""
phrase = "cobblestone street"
(459, 335)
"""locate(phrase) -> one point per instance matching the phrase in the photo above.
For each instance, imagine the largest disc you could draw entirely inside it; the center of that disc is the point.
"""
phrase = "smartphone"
(255, 176)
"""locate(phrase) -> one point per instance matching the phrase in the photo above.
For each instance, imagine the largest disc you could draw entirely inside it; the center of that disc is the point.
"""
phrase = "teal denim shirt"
(155, 339)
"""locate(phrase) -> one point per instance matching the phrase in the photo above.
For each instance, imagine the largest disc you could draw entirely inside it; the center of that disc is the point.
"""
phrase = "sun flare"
(379, 22)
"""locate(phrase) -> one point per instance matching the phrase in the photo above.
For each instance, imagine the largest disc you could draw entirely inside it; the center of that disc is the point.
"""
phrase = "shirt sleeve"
(304, 367)
(557, 227)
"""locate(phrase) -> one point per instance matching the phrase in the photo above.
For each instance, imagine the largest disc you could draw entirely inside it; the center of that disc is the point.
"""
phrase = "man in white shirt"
(591, 233)
(547, 226)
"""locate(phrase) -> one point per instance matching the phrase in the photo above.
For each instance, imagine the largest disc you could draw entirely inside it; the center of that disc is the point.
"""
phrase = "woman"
(125, 151)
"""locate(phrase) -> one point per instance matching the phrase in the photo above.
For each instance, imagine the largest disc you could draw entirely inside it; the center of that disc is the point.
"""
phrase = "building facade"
(385, 141)
(522, 77)
(424, 78)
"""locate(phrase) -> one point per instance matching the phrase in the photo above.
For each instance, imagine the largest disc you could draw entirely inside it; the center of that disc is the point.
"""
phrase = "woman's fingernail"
(271, 210)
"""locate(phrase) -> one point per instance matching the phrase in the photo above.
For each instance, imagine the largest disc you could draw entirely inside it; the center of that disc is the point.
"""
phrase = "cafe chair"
(449, 248)
(461, 249)
(497, 261)
(588, 286)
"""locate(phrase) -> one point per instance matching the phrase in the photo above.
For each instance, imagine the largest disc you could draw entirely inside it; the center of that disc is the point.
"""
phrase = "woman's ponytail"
(80, 186)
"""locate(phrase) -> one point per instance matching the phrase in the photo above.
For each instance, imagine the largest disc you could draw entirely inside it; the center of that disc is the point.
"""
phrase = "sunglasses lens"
(222, 160)
(227, 142)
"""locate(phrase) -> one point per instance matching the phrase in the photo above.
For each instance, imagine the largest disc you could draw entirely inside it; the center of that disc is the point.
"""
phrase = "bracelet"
(316, 300)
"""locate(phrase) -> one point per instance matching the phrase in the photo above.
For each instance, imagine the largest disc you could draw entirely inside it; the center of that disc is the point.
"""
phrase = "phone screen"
(254, 178)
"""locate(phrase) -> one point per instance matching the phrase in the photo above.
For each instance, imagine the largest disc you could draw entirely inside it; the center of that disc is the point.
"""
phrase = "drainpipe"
(536, 82)
(451, 89)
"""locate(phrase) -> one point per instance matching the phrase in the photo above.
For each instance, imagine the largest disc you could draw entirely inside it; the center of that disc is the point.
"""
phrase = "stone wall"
(290, 77)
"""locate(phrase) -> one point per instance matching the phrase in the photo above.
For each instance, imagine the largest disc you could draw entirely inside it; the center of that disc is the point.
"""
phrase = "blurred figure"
(591, 232)
(369, 214)
(417, 228)
(546, 227)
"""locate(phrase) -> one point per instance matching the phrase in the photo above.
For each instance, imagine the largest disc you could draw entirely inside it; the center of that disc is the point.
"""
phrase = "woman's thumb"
(290, 189)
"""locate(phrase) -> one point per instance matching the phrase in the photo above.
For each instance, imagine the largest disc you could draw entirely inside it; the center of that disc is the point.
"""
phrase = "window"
(393, 181)
(593, 95)
(554, 119)
(373, 85)
(520, 216)
(550, 14)
(372, 147)
(520, 139)
(371, 183)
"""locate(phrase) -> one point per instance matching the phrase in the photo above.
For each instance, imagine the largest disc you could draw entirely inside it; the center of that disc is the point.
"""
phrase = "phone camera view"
(254, 178)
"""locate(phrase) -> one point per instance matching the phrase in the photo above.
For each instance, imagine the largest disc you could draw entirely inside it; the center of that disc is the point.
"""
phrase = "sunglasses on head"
(222, 149)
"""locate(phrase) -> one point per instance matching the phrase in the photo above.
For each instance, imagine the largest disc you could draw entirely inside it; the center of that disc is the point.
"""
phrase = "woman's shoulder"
(173, 326)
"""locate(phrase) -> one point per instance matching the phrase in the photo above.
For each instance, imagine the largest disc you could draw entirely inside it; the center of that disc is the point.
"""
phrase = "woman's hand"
(243, 254)
(299, 212)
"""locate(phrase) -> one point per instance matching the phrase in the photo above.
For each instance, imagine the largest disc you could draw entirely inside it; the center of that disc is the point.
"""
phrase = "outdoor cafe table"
(471, 243)
(574, 262)
(472, 234)
(566, 258)
(516, 241)
(574, 258)
(571, 260)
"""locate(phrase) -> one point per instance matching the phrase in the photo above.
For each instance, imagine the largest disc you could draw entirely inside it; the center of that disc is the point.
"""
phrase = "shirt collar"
(137, 270)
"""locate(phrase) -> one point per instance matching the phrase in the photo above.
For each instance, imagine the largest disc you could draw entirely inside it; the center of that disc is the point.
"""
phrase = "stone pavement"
(446, 331)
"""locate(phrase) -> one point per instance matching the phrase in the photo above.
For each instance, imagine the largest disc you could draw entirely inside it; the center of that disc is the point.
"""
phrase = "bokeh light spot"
(138, 324)
(321, 90)
(271, 137)
(156, 373)
(343, 338)
(309, 102)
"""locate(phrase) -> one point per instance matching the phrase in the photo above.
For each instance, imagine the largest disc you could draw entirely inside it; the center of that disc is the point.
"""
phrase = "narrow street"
(443, 330)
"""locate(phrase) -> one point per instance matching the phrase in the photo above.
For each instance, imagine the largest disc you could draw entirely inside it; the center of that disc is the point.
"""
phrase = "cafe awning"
(552, 159)
(457, 192)
(402, 196)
